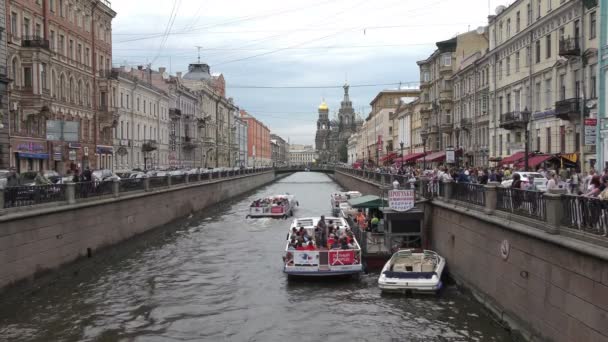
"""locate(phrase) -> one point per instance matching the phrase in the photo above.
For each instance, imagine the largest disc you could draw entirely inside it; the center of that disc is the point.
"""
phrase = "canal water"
(217, 277)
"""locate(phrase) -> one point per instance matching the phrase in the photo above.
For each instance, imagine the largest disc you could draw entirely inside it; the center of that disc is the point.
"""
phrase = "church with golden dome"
(332, 136)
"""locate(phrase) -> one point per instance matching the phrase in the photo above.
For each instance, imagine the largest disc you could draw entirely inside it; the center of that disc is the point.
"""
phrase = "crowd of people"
(327, 235)
(269, 202)
(574, 182)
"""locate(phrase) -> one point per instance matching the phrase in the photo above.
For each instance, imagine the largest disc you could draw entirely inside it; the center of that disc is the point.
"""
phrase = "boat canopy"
(368, 201)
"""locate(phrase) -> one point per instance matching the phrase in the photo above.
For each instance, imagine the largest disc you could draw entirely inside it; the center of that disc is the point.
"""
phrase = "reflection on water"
(217, 277)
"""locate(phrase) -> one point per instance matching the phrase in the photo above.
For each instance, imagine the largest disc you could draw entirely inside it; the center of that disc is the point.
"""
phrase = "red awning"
(512, 159)
(389, 156)
(410, 157)
(435, 157)
(535, 160)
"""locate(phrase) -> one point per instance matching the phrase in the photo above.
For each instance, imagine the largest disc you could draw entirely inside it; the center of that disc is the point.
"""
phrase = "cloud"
(298, 43)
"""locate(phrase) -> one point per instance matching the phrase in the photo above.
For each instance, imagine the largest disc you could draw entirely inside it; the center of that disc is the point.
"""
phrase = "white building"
(141, 138)
(300, 157)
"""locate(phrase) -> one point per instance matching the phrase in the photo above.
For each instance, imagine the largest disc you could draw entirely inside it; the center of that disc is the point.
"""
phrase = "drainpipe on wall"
(603, 38)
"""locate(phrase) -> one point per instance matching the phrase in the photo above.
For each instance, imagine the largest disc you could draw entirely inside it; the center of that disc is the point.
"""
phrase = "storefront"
(30, 155)
(105, 157)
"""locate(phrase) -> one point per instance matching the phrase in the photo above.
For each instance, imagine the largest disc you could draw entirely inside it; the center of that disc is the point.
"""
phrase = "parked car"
(104, 175)
(525, 177)
(3, 176)
(52, 175)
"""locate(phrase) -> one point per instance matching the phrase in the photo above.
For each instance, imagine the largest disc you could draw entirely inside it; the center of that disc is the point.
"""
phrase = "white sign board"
(590, 131)
(306, 258)
(450, 156)
(401, 200)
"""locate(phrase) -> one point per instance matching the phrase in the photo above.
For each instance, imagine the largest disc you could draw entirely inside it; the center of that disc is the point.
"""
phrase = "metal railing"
(178, 179)
(131, 184)
(20, 196)
(470, 193)
(522, 202)
(585, 214)
(92, 189)
(159, 182)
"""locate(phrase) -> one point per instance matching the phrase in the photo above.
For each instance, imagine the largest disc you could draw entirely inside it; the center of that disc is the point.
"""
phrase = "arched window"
(54, 85)
(62, 90)
(15, 70)
(72, 89)
(87, 96)
(79, 92)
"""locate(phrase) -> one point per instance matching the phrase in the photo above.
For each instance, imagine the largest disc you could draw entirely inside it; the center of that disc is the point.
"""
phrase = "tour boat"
(412, 270)
(273, 206)
(319, 261)
(341, 197)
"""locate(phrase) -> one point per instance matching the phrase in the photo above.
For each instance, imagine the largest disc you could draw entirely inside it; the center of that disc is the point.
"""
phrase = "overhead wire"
(174, 11)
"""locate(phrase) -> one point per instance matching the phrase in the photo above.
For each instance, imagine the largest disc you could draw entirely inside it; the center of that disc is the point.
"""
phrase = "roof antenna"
(199, 53)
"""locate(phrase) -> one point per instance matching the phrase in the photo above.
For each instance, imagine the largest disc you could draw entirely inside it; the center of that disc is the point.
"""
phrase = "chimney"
(178, 74)
(162, 70)
(140, 67)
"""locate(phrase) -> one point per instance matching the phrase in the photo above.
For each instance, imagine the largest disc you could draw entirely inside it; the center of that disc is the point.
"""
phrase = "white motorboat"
(412, 270)
(341, 197)
(319, 261)
(273, 206)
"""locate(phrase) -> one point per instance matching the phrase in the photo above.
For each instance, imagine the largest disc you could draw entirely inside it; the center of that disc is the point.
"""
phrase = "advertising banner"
(306, 258)
(401, 200)
(276, 210)
(590, 131)
(450, 155)
(379, 143)
(338, 257)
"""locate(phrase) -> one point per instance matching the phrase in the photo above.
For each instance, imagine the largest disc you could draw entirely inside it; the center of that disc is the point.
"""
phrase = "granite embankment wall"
(546, 286)
(38, 240)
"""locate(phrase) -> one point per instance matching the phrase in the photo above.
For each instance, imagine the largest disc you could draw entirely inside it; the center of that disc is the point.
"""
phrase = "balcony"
(513, 147)
(35, 42)
(446, 124)
(568, 110)
(433, 129)
(425, 84)
(445, 69)
(445, 96)
(109, 74)
(175, 113)
(108, 116)
(514, 120)
(569, 47)
(188, 143)
(466, 123)
(149, 146)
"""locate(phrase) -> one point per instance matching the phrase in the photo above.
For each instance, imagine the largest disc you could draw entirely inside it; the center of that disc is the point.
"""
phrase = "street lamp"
(401, 144)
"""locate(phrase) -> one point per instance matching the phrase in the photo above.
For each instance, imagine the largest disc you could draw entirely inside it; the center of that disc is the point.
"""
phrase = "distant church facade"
(331, 139)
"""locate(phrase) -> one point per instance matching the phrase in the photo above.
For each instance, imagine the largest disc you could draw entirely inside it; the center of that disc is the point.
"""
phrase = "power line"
(320, 86)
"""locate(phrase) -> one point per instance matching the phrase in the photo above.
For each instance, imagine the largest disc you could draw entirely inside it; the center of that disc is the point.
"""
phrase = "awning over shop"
(389, 156)
(512, 159)
(435, 157)
(534, 161)
(368, 201)
(33, 155)
(104, 149)
(410, 158)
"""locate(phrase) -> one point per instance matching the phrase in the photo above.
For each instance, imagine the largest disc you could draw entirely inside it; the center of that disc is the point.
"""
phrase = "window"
(500, 32)
(38, 32)
(121, 100)
(562, 139)
(500, 111)
(62, 44)
(548, 94)
(562, 33)
(592, 25)
(79, 53)
(138, 104)
(537, 97)
(61, 8)
(500, 70)
(538, 3)
(26, 27)
(508, 99)
(71, 49)
(549, 6)
(14, 26)
(548, 45)
(548, 140)
(52, 5)
(592, 81)
(508, 28)
(508, 65)
(447, 59)
(500, 144)
(86, 56)
(128, 106)
(517, 96)
(27, 77)
(538, 140)
(538, 51)
(52, 42)
(508, 143)
(43, 76)
(517, 61)
(562, 87)
(528, 56)
(144, 106)
(517, 22)
(529, 10)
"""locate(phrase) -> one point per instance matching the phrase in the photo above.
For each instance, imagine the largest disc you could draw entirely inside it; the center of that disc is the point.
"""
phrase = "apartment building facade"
(4, 84)
(62, 108)
(141, 138)
(258, 141)
(543, 58)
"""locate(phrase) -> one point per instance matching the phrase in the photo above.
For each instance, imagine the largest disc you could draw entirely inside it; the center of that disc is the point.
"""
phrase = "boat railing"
(323, 258)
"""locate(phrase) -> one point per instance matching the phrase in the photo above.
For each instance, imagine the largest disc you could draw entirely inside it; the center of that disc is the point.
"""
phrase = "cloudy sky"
(305, 49)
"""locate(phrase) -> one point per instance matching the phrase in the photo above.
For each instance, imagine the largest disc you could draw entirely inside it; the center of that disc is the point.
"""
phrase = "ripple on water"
(218, 277)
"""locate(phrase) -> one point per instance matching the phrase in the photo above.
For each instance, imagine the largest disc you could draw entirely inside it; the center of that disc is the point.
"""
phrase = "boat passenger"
(323, 232)
(361, 220)
(300, 247)
(344, 243)
(331, 240)
(310, 246)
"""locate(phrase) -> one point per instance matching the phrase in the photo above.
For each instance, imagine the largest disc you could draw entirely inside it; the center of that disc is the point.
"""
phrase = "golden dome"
(323, 106)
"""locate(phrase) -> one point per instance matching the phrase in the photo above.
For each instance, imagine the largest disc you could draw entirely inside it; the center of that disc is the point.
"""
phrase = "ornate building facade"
(331, 139)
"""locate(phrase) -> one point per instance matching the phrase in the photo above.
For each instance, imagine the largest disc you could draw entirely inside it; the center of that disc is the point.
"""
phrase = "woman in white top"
(552, 183)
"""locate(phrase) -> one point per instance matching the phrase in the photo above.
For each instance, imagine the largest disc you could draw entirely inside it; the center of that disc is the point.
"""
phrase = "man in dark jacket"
(86, 175)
